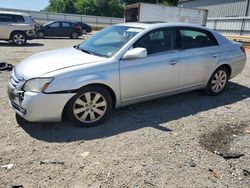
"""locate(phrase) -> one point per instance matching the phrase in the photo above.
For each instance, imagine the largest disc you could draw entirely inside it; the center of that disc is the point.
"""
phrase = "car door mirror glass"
(136, 53)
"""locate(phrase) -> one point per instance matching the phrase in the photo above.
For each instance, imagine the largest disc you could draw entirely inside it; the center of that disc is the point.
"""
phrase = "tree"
(164, 2)
(113, 8)
(85, 7)
(64, 6)
(99, 7)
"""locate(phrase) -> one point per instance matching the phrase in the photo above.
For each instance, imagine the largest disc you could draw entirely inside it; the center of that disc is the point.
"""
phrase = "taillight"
(243, 49)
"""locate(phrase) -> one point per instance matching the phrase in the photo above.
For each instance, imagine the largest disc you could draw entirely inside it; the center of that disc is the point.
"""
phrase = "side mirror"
(136, 53)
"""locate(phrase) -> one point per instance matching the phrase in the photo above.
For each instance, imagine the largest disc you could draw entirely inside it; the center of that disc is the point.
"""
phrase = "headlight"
(37, 84)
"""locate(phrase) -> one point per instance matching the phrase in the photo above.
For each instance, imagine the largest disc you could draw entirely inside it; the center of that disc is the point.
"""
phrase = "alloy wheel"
(90, 107)
(74, 35)
(19, 39)
(219, 81)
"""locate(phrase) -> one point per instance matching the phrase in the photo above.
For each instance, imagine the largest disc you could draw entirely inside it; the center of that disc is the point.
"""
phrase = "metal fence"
(42, 17)
(237, 26)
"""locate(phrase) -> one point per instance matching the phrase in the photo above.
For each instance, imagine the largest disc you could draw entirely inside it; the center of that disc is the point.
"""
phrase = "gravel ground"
(169, 142)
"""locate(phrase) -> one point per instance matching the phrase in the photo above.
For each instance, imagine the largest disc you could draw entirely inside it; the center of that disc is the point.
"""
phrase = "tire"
(84, 31)
(40, 35)
(20, 120)
(218, 82)
(90, 107)
(18, 38)
(74, 35)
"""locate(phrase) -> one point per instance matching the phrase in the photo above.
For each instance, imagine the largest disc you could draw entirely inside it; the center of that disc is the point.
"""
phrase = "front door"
(53, 30)
(154, 74)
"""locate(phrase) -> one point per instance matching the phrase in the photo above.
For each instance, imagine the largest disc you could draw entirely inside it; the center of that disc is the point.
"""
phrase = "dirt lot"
(170, 142)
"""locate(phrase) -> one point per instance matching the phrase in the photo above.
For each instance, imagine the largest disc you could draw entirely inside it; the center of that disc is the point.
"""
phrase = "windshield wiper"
(90, 52)
(86, 51)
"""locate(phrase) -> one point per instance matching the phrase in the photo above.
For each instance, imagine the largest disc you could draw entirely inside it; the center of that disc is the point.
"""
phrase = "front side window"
(55, 25)
(157, 41)
(109, 41)
(6, 18)
(196, 38)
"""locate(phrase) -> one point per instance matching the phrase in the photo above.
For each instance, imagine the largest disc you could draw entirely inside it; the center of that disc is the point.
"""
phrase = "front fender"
(73, 84)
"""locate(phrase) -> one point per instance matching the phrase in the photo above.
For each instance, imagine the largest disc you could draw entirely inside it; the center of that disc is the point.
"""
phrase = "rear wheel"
(74, 35)
(84, 31)
(218, 82)
(18, 38)
(91, 106)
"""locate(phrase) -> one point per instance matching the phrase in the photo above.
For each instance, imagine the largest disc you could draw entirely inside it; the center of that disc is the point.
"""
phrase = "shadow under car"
(147, 114)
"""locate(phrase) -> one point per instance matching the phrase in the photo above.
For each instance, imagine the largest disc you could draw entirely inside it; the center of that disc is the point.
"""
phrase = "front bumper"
(38, 107)
(31, 34)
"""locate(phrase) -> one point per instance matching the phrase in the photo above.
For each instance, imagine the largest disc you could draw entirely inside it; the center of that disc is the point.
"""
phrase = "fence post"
(215, 24)
(242, 26)
(47, 17)
(96, 22)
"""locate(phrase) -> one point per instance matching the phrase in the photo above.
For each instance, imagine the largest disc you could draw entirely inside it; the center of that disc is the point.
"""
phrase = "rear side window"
(157, 41)
(64, 24)
(6, 18)
(18, 19)
(196, 38)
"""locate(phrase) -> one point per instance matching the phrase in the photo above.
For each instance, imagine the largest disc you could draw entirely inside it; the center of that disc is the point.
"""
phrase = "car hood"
(45, 62)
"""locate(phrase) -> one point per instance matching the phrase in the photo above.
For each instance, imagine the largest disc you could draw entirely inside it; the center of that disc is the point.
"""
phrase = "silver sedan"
(121, 65)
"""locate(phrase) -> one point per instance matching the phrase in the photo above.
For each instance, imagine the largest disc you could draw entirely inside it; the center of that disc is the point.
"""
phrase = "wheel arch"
(108, 88)
(17, 31)
(228, 67)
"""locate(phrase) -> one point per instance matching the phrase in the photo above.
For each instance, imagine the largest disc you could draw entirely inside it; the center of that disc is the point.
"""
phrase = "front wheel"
(90, 107)
(41, 35)
(218, 82)
(19, 38)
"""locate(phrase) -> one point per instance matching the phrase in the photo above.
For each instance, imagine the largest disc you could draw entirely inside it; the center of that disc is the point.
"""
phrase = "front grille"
(16, 80)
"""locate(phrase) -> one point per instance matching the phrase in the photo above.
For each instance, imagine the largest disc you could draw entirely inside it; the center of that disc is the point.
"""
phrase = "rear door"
(154, 74)
(66, 29)
(199, 53)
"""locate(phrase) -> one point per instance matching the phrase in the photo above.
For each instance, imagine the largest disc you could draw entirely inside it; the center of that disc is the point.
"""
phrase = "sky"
(24, 4)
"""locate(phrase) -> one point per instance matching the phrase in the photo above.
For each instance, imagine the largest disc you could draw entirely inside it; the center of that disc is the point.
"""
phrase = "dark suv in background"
(60, 29)
(16, 27)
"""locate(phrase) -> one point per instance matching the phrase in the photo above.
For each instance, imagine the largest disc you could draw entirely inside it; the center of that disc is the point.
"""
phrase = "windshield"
(108, 41)
(48, 23)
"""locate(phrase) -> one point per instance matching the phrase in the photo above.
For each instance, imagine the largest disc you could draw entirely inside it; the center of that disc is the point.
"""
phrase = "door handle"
(173, 62)
(214, 55)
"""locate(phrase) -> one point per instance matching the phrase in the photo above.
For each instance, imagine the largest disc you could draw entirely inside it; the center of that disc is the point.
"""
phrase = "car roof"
(62, 21)
(151, 25)
(14, 13)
